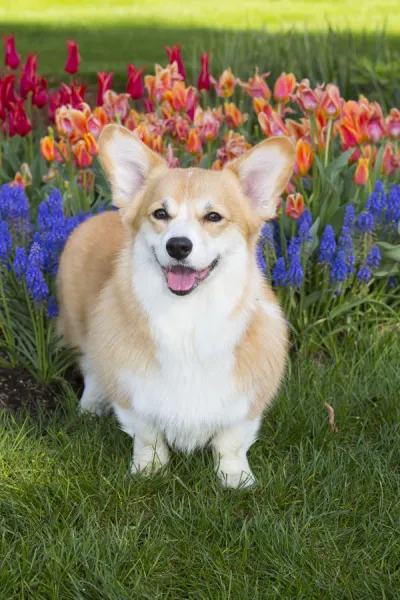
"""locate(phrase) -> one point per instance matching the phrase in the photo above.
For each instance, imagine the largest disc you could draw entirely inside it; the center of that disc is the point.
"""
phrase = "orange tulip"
(47, 148)
(331, 102)
(304, 157)
(91, 144)
(61, 153)
(233, 116)
(82, 156)
(79, 123)
(307, 98)
(294, 206)
(182, 129)
(194, 142)
(393, 124)
(208, 123)
(256, 86)
(284, 87)
(271, 123)
(362, 171)
(157, 144)
(217, 165)
(226, 84)
(234, 145)
(259, 104)
(63, 122)
(101, 115)
(182, 98)
(143, 133)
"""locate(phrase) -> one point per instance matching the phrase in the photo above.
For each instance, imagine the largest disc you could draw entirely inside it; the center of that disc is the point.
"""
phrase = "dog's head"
(191, 220)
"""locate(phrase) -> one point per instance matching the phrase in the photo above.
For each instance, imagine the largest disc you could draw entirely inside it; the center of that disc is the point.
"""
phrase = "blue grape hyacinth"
(327, 246)
(35, 281)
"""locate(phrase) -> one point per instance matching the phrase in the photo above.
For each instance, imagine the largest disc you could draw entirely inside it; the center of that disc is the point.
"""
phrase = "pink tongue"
(181, 280)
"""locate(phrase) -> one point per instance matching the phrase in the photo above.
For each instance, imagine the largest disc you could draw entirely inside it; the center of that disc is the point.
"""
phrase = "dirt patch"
(18, 389)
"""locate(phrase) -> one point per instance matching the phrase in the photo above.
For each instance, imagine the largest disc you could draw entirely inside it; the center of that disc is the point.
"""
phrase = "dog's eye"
(214, 217)
(160, 214)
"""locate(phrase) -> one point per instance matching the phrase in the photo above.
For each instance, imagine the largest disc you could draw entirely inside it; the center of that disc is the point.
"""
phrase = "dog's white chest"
(194, 393)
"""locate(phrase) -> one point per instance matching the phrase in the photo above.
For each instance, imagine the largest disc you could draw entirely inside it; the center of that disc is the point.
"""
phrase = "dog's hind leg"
(93, 399)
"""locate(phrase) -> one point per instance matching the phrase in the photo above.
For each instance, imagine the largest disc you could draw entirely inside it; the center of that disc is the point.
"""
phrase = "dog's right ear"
(127, 161)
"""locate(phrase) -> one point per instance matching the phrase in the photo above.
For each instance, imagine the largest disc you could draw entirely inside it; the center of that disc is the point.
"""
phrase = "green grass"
(338, 41)
(324, 521)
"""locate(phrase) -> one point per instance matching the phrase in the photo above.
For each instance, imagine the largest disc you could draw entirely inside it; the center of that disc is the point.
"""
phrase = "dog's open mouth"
(182, 280)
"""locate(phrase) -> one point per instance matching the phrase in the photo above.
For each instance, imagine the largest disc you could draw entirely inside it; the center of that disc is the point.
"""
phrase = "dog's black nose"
(179, 247)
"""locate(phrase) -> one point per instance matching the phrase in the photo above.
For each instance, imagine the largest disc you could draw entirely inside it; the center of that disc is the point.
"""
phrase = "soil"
(18, 389)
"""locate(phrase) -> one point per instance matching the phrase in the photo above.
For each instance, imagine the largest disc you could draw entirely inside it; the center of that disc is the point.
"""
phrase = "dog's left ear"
(264, 172)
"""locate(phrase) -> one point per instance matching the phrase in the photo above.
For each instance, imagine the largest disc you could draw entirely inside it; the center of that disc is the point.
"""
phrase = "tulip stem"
(328, 142)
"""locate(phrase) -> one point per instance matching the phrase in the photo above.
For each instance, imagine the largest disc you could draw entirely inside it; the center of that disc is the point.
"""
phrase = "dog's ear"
(127, 161)
(264, 172)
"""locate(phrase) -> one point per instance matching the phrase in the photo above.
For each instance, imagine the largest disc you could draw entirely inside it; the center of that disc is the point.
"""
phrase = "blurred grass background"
(356, 45)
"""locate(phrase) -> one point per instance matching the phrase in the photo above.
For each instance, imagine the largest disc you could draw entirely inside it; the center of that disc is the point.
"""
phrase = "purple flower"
(304, 226)
(35, 281)
(295, 272)
(279, 274)
(294, 248)
(50, 213)
(349, 216)
(260, 260)
(374, 257)
(327, 246)
(364, 274)
(339, 270)
(377, 201)
(52, 308)
(14, 209)
(5, 242)
(20, 262)
(346, 244)
(366, 221)
(393, 205)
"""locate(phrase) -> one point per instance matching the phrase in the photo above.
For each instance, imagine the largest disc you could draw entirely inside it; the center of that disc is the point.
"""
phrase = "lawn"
(323, 521)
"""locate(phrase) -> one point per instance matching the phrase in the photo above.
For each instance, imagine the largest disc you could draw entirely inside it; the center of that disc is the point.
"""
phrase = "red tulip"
(8, 96)
(55, 100)
(104, 80)
(174, 55)
(8, 125)
(11, 56)
(204, 82)
(28, 80)
(73, 58)
(77, 95)
(135, 84)
(21, 122)
(39, 97)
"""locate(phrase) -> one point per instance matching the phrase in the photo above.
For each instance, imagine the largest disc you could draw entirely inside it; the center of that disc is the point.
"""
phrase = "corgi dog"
(176, 326)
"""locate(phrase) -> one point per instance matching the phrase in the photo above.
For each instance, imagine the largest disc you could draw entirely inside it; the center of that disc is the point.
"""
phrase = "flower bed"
(332, 252)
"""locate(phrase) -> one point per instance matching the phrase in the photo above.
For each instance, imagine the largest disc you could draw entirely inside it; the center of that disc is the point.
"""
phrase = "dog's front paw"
(235, 474)
(148, 462)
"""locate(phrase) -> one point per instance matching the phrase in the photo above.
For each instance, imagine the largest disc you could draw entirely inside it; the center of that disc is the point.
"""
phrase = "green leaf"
(311, 299)
(389, 250)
